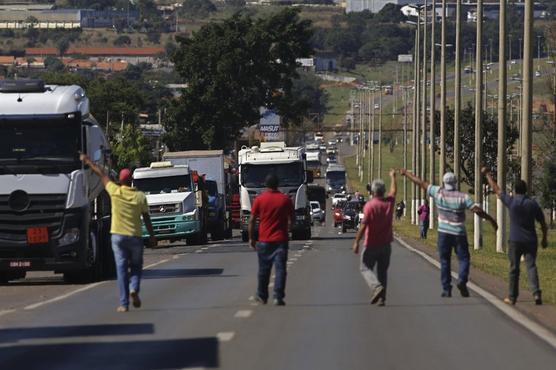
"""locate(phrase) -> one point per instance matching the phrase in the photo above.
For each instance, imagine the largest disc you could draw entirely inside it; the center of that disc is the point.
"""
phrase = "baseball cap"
(125, 175)
(450, 181)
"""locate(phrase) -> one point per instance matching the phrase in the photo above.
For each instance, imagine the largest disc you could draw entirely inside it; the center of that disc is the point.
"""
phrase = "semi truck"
(210, 165)
(54, 212)
(176, 199)
(289, 164)
(314, 163)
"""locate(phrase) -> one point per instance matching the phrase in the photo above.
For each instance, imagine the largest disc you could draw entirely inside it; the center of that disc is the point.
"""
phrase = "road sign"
(269, 125)
(405, 58)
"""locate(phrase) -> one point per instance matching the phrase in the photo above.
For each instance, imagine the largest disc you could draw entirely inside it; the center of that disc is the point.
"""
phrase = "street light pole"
(442, 164)
(502, 92)
(457, 96)
(424, 108)
(478, 122)
(380, 133)
(415, 124)
(432, 115)
(527, 99)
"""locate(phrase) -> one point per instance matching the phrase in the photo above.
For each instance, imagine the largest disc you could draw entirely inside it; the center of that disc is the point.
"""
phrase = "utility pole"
(457, 96)
(405, 103)
(478, 123)
(415, 125)
(432, 119)
(370, 138)
(373, 134)
(442, 163)
(380, 133)
(527, 99)
(423, 140)
(502, 91)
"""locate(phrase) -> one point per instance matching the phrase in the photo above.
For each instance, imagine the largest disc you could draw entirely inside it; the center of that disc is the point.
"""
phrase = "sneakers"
(446, 294)
(463, 289)
(122, 309)
(260, 300)
(509, 301)
(538, 299)
(381, 302)
(377, 294)
(135, 300)
(279, 302)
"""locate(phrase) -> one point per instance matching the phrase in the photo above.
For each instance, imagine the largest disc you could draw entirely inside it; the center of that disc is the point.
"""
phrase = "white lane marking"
(175, 257)
(512, 313)
(73, 292)
(63, 296)
(243, 314)
(293, 259)
(198, 251)
(204, 248)
(5, 312)
(215, 245)
(271, 285)
(155, 264)
(225, 336)
(309, 242)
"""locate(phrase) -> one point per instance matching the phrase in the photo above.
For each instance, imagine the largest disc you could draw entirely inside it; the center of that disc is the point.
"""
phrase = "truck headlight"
(347, 217)
(71, 236)
(192, 216)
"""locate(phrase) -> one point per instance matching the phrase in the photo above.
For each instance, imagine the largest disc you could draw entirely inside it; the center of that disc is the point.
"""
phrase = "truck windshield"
(212, 188)
(38, 142)
(313, 164)
(336, 177)
(162, 185)
(289, 174)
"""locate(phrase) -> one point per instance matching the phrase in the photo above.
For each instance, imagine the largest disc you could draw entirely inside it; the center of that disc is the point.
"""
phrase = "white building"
(374, 6)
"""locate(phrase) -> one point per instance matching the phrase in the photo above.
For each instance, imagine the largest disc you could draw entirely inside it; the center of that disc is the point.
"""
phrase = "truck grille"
(43, 210)
(163, 209)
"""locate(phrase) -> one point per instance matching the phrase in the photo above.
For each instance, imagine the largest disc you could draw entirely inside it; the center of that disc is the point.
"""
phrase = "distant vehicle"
(335, 178)
(537, 73)
(338, 197)
(319, 137)
(331, 159)
(317, 213)
(516, 77)
(331, 150)
(377, 106)
(513, 62)
(351, 215)
(468, 70)
(322, 148)
(388, 90)
(337, 213)
(312, 147)
(332, 142)
(317, 193)
(314, 163)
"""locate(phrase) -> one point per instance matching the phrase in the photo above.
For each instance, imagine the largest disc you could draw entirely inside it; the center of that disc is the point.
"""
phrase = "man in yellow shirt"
(128, 205)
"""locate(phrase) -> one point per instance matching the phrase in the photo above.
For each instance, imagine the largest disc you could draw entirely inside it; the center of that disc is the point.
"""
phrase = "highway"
(197, 313)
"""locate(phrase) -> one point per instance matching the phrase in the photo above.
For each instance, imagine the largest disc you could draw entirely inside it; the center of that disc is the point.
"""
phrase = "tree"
(233, 68)
(548, 181)
(63, 45)
(467, 141)
(53, 64)
(131, 148)
(390, 13)
(122, 40)
(198, 8)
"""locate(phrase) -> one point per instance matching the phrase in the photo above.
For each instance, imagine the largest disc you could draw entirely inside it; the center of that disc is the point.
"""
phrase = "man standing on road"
(275, 213)
(424, 213)
(377, 228)
(128, 205)
(451, 206)
(523, 236)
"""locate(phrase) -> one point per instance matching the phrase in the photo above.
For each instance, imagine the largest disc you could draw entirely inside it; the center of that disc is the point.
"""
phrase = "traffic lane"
(189, 310)
(41, 286)
(328, 322)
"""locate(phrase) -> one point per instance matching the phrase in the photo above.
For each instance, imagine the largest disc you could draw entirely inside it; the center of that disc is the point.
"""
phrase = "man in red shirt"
(377, 227)
(275, 213)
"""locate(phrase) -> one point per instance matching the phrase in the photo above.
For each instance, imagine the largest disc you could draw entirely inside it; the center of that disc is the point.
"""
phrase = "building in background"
(374, 6)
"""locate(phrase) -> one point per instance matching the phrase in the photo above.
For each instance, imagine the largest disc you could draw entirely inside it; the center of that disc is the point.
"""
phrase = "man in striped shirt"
(451, 206)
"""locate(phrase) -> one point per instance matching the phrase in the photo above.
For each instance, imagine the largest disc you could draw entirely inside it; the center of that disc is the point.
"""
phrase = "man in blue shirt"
(524, 211)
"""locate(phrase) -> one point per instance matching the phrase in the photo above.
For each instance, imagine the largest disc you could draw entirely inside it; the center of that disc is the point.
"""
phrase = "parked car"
(317, 214)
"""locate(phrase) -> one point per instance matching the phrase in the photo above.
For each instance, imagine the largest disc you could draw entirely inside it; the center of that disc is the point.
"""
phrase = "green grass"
(337, 105)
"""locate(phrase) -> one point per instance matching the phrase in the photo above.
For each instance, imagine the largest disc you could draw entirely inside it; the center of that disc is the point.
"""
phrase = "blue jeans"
(423, 228)
(379, 256)
(272, 254)
(447, 242)
(128, 254)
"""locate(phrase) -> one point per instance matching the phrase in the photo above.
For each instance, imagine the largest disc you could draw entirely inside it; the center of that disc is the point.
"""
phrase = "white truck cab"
(174, 202)
(54, 213)
(289, 164)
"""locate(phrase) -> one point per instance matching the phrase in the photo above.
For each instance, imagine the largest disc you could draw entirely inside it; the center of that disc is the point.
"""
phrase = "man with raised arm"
(128, 206)
(451, 205)
(524, 211)
(377, 228)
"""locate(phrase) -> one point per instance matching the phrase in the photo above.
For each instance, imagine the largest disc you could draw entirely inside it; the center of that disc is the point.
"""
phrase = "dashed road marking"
(204, 248)
(5, 312)
(225, 336)
(243, 314)
(63, 296)
(155, 264)
(175, 257)
(198, 251)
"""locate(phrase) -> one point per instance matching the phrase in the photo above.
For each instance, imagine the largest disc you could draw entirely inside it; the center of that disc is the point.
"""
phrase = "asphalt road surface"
(197, 313)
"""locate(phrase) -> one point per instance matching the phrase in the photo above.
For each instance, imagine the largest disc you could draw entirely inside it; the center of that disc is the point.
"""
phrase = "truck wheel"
(244, 236)
(93, 271)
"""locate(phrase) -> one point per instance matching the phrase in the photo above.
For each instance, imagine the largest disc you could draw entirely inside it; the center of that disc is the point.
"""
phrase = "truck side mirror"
(310, 177)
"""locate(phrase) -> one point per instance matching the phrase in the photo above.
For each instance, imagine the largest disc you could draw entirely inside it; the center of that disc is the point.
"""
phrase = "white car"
(317, 214)
(338, 197)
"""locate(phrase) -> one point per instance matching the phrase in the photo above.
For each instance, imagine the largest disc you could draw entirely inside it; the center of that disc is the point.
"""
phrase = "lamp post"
(432, 115)
(527, 99)
(457, 96)
(501, 152)
(478, 122)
